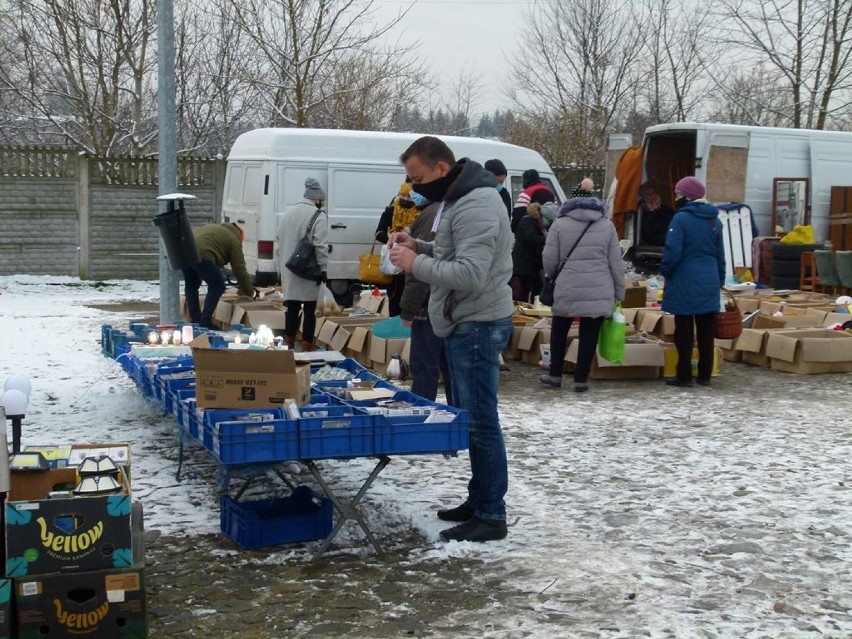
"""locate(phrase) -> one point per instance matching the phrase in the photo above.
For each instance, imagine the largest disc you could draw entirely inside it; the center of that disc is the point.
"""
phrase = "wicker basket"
(729, 323)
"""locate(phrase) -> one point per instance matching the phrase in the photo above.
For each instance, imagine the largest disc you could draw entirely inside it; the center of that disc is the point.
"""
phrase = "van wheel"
(344, 291)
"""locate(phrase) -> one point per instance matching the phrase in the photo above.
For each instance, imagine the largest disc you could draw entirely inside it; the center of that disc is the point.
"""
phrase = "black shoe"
(476, 529)
(702, 381)
(459, 513)
(580, 387)
(682, 383)
(550, 380)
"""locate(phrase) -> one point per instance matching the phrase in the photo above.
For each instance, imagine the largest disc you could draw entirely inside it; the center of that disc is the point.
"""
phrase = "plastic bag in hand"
(385, 266)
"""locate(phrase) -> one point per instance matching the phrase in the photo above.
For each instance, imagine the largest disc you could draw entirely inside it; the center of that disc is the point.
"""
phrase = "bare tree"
(676, 41)
(301, 42)
(579, 64)
(754, 96)
(808, 43)
(216, 100)
(84, 66)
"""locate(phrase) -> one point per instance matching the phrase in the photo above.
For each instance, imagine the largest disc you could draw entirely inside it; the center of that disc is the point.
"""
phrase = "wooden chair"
(826, 270)
(808, 280)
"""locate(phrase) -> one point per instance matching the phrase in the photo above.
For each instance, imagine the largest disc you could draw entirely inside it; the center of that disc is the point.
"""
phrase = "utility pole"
(167, 148)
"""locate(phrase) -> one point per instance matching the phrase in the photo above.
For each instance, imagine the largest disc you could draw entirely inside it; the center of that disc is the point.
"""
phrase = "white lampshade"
(14, 402)
(19, 382)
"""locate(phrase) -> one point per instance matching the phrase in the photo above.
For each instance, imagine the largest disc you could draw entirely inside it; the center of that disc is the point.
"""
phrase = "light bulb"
(19, 382)
(238, 339)
(176, 337)
(253, 338)
(165, 337)
(14, 402)
(187, 334)
(153, 337)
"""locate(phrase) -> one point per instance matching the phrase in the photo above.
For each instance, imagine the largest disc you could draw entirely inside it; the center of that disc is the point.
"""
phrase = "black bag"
(303, 261)
(549, 287)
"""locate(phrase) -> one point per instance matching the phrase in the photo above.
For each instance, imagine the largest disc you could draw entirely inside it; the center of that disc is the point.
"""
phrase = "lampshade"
(19, 382)
(100, 465)
(14, 402)
(97, 485)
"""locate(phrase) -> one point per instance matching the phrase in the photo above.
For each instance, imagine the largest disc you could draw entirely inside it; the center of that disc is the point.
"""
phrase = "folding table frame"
(348, 510)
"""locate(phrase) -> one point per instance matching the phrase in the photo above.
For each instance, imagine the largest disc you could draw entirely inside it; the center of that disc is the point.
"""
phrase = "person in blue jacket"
(694, 267)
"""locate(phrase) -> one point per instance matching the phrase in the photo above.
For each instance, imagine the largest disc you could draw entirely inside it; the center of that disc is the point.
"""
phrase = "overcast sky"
(455, 35)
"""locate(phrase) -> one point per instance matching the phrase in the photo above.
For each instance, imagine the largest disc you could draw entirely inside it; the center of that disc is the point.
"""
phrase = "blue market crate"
(303, 516)
(212, 417)
(178, 399)
(190, 418)
(243, 442)
(341, 432)
(412, 434)
(175, 390)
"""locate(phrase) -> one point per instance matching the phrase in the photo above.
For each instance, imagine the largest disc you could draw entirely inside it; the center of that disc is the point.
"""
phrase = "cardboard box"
(358, 347)
(513, 353)
(65, 455)
(113, 605)
(378, 305)
(64, 534)
(808, 319)
(228, 378)
(808, 352)
(670, 365)
(748, 304)
(656, 323)
(641, 361)
(752, 344)
(529, 343)
(382, 349)
(253, 314)
(728, 350)
(635, 294)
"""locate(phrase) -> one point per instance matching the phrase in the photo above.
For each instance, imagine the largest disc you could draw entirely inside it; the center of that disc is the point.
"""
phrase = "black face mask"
(436, 190)
(681, 202)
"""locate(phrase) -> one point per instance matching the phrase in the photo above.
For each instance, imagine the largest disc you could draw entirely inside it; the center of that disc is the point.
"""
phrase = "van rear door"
(358, 196)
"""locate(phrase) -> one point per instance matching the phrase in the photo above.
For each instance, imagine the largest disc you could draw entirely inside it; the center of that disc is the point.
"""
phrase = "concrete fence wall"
(68, 214)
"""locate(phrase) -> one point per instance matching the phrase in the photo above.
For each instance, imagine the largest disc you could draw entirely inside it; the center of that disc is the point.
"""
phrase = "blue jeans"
(473, 354)
(208, 272)
(428, 362)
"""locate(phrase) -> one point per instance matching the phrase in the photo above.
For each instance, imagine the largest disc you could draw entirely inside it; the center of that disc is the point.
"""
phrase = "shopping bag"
(611, 337)
(303, 261)
(326, 304)
(369, 269)
(385, 265)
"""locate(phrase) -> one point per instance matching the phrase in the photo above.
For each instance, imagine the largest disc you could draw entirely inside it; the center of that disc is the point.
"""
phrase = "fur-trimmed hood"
(586, 209)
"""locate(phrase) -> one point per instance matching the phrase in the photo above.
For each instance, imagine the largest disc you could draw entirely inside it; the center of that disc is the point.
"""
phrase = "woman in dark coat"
(526, 254)
(694, 267)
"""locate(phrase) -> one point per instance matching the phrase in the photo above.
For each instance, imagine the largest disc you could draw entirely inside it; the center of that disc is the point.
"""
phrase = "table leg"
(181, 436)
(349, 510)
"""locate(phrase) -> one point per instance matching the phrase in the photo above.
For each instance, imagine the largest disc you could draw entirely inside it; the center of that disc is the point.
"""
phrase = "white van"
(360, 173)
(774, 171)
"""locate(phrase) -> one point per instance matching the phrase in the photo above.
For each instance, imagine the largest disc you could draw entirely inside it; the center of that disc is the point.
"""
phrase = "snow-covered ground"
(635, 510)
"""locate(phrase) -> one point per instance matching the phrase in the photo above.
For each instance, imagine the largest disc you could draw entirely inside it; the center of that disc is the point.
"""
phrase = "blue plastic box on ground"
(303, 516)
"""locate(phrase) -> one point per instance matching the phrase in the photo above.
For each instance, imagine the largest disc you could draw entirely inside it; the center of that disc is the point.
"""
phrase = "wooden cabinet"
(840, 218)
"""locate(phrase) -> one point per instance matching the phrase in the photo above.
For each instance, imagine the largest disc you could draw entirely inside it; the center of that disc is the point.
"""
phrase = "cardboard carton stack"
(73, 550)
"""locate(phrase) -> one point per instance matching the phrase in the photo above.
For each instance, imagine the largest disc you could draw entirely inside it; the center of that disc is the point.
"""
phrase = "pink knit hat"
(691, 188)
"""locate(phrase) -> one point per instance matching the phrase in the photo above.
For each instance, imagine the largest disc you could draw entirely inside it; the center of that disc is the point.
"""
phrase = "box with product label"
(226, 378)
(102, 603)
(670, 365)
(64, 455)
(809, 351)
(642, 360)
(49, 529)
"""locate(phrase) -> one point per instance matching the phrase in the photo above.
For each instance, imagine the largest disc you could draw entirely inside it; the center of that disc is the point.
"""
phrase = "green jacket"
(220, 244)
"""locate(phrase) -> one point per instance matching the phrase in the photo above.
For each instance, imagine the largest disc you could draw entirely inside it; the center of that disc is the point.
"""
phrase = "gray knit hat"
(313, 190)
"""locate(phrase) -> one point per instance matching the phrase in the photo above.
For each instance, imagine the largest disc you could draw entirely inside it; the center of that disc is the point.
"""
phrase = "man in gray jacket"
(467, 267)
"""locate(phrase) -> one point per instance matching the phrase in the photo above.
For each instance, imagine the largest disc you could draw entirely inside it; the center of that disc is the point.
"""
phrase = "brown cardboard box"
(247, 378)
(328, 327)
(808, 319)
(253, 314)
(752, 344)
(656, 323)
(529, 343)
(635, 294)
(748, 304)
(358, 347)
(729, 351)
(374, 304)
(382, 349)
(810, 351)
(641, 361)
